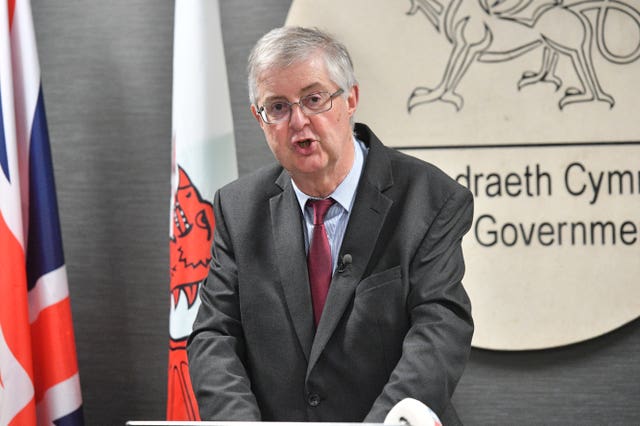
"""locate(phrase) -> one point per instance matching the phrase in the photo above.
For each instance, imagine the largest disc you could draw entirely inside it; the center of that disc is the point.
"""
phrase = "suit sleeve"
(216, 347)
(437, 345)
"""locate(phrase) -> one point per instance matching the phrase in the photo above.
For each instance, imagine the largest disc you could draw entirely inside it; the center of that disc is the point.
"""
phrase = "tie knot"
(320, 209)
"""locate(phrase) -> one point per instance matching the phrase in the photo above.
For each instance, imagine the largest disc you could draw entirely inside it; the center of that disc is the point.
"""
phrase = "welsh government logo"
(189, 256)
(474, 28)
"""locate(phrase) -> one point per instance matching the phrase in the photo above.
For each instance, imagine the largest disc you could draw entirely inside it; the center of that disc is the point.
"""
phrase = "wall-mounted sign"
(534, 107)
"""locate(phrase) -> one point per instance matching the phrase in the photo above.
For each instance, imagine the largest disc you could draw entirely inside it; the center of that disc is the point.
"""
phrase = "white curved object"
(413, 413)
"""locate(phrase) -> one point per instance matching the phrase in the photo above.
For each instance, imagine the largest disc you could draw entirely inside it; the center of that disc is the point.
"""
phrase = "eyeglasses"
(315, 103)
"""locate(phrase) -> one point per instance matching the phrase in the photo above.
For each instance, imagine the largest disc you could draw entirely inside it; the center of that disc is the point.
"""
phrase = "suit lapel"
(291, 260)
(365, 223)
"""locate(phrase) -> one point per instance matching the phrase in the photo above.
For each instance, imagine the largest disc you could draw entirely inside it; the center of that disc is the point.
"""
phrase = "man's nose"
(298, 117)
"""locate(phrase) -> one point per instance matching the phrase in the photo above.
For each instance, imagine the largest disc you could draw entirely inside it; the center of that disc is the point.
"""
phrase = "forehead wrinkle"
(310, 72)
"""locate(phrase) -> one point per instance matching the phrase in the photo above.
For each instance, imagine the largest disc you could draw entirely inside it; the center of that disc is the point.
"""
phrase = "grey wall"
(106, 70)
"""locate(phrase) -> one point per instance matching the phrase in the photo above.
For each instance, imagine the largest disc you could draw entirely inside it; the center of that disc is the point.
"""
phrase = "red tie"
(319, 258)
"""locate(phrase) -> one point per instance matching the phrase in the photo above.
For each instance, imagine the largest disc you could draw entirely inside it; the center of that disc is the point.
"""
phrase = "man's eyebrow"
(310, 87)
(275, 98)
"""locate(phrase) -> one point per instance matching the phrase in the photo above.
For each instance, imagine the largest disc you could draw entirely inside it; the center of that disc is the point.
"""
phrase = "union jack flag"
(39, 382)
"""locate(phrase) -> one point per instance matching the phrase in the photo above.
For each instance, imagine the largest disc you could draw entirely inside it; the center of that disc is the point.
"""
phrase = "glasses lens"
(317, 102)
(277, 111)
(314, 103)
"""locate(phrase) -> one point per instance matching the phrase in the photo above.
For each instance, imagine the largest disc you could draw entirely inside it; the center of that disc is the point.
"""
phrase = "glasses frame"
(263, 113)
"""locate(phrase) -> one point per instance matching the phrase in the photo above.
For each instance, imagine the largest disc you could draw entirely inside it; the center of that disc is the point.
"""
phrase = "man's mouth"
(305, 143)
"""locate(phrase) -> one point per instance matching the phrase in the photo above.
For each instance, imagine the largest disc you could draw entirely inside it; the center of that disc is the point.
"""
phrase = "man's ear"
(352, 100)
(256, 115)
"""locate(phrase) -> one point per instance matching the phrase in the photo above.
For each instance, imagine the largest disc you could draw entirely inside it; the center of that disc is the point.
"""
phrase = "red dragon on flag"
(203, 159)
(189, 256)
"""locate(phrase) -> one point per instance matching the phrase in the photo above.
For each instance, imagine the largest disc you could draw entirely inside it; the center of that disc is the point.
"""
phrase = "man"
(271, 342)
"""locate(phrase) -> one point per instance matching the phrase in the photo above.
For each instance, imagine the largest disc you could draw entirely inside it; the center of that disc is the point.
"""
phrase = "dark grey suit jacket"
(397, 321)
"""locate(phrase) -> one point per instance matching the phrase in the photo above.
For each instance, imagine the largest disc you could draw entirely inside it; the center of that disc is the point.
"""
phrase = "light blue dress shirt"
(337, 217)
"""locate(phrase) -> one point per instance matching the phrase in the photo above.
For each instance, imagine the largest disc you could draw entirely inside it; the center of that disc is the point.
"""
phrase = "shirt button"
(313, 399)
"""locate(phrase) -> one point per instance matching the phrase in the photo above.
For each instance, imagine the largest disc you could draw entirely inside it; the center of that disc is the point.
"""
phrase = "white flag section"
(203, 159)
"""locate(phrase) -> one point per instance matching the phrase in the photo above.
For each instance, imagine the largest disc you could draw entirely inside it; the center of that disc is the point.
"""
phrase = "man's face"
(315, 149)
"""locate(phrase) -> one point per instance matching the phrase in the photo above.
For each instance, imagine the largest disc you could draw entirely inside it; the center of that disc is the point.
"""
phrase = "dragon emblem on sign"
(559, 28)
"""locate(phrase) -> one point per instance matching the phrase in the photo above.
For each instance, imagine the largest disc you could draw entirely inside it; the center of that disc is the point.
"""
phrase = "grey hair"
(285, 46)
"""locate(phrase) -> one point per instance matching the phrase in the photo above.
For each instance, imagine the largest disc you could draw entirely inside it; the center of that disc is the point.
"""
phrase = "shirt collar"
(345, 193)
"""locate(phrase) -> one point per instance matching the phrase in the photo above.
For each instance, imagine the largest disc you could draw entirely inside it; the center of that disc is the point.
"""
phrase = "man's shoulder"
(255, 185)
(411, 167)
(407, 169)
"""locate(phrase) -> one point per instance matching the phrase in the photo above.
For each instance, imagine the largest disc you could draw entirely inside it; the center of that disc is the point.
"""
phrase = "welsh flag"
(39, 382)
(203, 159)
